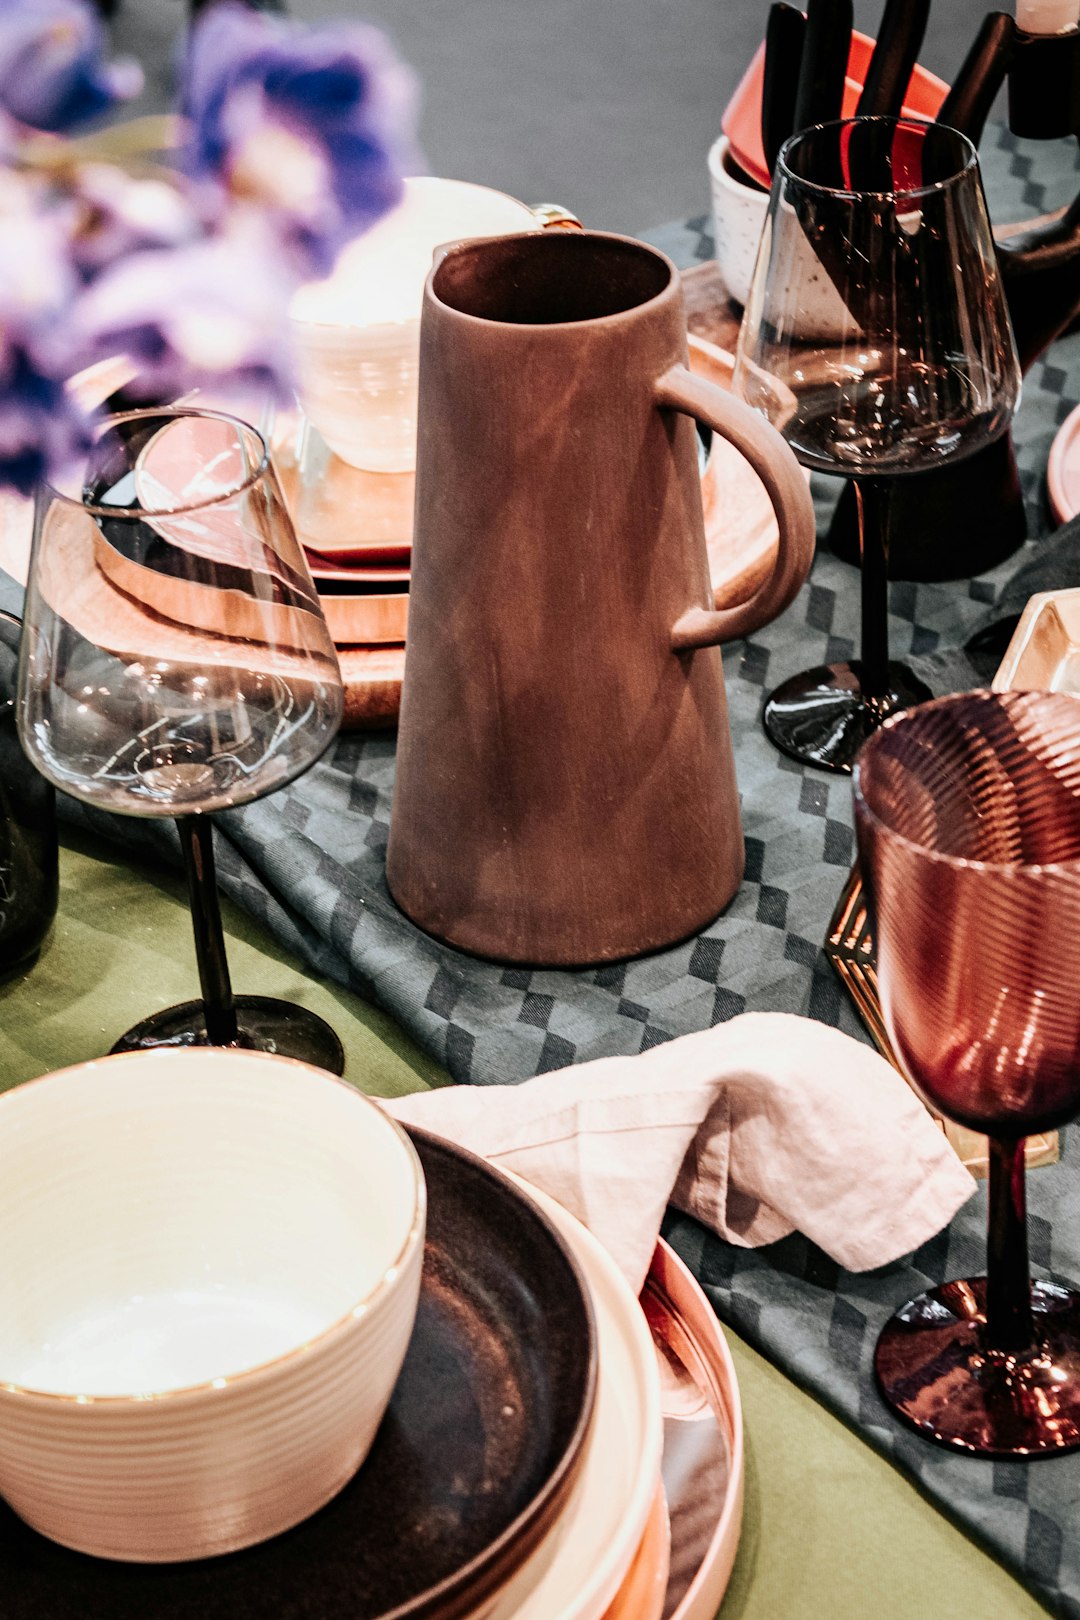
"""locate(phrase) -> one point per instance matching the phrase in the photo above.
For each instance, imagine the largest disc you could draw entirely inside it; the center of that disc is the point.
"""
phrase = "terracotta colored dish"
(644, 1592)
(352, 516)
(741, 122)
(1063, 469)
(740, 526)
(373, 677)
(363, 606)
(370, 619)
(478, 1452)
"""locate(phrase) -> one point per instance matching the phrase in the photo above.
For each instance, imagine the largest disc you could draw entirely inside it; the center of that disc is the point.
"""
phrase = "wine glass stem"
(1008, 1276)
(872, 498)
(196, 841)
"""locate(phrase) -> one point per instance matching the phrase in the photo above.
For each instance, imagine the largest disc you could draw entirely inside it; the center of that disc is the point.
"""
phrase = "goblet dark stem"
(1009, 1325)
(823, 716)
(872, 497)
(197, 843)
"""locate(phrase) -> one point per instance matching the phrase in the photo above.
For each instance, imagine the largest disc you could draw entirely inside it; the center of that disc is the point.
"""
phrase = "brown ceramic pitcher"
(565, 786)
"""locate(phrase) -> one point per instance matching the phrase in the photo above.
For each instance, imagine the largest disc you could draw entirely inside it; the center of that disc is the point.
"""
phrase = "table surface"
(831, 1530)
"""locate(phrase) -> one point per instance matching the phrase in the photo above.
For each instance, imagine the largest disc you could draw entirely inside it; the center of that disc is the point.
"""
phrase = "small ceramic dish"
(703, 1437)
(212, 1291)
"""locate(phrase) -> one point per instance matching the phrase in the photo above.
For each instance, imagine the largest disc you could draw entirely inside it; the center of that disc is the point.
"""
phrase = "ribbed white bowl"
(212, 1266)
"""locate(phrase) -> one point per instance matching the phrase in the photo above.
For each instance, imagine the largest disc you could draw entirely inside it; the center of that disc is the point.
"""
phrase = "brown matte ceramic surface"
(565, 785)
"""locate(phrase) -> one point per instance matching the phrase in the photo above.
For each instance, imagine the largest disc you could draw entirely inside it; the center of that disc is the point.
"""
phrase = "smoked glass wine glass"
(877, 339)
(968, 820)
(175, 661)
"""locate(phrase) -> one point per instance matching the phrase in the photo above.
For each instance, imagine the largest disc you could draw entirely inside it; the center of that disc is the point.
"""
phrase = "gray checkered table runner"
(309, 862)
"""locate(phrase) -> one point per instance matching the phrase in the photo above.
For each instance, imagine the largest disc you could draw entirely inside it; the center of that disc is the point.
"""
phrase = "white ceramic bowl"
(357, 335)
(212, 1265)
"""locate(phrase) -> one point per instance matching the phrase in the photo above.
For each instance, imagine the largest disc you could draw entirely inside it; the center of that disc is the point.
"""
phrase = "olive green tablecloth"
(831, 1530)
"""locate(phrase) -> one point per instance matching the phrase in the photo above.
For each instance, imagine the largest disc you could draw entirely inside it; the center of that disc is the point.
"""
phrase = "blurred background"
(605, 106)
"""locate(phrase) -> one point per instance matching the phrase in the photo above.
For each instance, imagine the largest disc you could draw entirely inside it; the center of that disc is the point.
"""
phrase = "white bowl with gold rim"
(212, 1267)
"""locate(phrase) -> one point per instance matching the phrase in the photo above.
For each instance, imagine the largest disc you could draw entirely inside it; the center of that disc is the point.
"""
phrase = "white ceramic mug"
(357, 334)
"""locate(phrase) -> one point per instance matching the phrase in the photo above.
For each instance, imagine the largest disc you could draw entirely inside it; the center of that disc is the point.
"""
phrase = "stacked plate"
(543, 1426)
(356, 528)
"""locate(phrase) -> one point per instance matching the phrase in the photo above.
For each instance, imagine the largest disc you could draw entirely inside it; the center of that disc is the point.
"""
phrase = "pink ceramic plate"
(703, 1438)
(335, 575)
(1063, 469)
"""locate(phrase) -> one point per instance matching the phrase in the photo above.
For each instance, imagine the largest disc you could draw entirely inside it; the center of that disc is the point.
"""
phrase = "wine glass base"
(934, 1371)
(265, 1024)
(822, 717)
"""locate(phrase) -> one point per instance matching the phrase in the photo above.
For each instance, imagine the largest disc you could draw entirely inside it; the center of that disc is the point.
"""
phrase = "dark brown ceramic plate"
(477, 1454)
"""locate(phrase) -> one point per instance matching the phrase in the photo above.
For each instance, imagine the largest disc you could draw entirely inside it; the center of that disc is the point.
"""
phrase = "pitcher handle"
(774, 462)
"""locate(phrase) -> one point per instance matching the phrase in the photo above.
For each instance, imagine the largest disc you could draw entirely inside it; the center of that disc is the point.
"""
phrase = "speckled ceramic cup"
(738, 216)
(740, 211)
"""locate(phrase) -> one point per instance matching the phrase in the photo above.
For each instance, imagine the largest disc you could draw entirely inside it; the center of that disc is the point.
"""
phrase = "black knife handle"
(783, 63)
(980, 77)
(826, 45)
(900, 37)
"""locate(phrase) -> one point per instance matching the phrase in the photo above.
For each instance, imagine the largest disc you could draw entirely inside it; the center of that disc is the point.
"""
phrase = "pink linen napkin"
(765, 1125)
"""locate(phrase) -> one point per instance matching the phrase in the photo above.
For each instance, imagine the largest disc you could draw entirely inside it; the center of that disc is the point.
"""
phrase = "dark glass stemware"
(968, 821)
(877, 339)
(175, 661)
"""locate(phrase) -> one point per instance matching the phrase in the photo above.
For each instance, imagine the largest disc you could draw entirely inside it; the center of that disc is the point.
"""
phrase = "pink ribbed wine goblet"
(968, 818)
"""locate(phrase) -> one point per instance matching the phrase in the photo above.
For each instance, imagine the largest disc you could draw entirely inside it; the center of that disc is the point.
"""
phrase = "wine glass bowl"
(967, 814)
(876, 339)
(969, 821)
(176, 662)
(176, 657)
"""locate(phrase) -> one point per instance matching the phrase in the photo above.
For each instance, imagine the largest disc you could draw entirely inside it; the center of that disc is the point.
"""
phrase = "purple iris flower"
(41, 427)
(208, 314)
(115, 215)
(313, 126)
(53, 73)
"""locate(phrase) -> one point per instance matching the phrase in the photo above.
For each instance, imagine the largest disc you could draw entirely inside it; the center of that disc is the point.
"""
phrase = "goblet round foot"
(822, 717)
(936, 1373)
(265, 1025)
